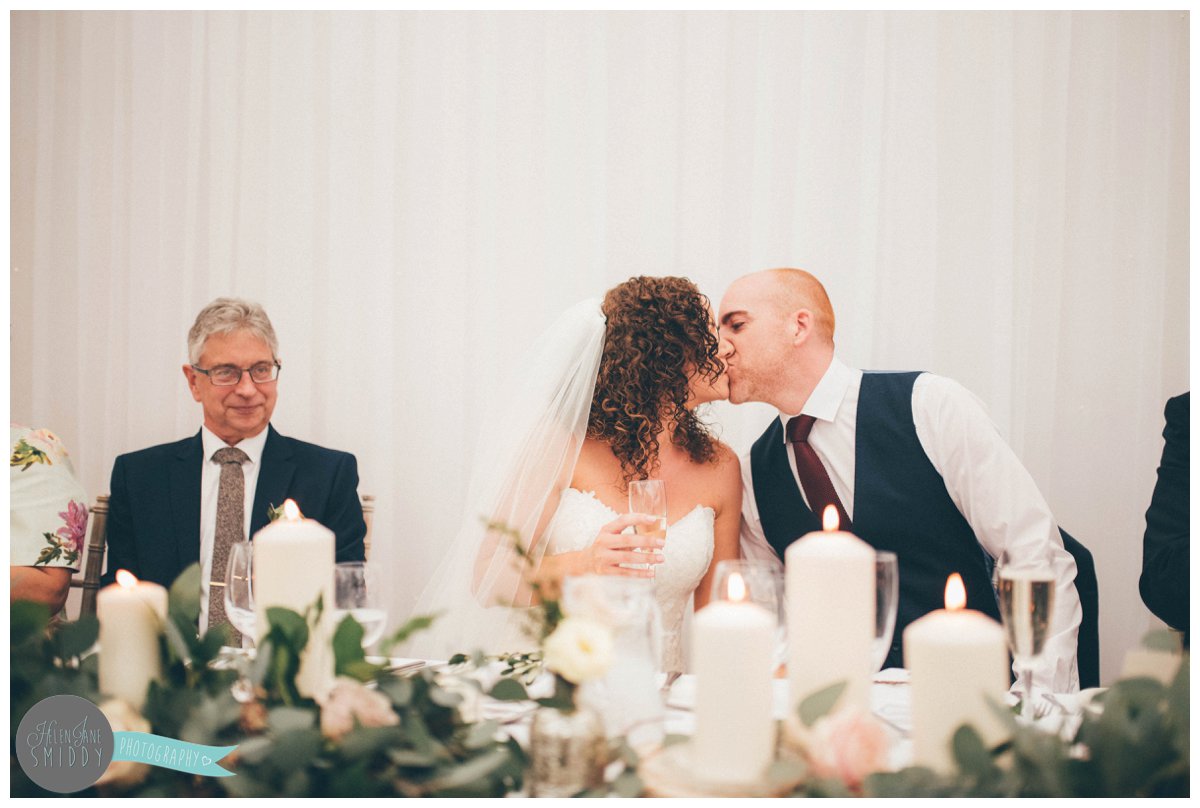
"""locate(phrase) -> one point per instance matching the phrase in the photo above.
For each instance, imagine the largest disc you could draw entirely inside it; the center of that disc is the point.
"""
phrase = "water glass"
(358, 592)
(239, 589)
(763, 584)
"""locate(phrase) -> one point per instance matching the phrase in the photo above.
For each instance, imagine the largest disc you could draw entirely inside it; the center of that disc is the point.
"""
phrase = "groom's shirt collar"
(827, 397)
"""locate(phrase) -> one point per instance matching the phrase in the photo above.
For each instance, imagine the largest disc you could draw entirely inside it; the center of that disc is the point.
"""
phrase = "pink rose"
(848, 745)
(349, 701)
(47, 443)
(75, 519)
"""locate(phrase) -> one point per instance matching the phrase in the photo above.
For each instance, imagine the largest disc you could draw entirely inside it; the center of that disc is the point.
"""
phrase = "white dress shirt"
(210, 483)
(983, 476)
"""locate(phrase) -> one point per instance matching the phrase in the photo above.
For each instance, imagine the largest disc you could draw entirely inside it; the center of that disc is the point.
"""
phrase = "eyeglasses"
(231, 375)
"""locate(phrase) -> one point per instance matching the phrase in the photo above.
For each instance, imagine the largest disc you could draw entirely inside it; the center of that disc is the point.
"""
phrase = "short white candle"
(131, 615)
(732, 648)
(293, 566)
(957, 658)
(831, 613)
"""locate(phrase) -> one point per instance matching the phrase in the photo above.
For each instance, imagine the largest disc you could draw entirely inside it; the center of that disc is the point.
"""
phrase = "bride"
(608, 396)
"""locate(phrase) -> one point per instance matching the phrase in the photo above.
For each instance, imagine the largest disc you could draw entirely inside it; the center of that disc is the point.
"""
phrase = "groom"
(911, 461)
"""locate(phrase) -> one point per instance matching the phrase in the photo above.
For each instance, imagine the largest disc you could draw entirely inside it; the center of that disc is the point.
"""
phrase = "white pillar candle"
(957, 658)
(732, 649)
(293, 566)
(131, 615)
(831, 613)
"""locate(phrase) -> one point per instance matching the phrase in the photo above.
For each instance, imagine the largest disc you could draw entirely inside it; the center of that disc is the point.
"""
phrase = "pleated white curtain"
(998, 197)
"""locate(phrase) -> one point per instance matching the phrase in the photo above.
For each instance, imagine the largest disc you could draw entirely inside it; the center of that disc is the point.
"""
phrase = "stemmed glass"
(764, 586)
(1025, 589)
(358, 592)
(239, 608)
(649, 497)
(239, 589)
(887, 591)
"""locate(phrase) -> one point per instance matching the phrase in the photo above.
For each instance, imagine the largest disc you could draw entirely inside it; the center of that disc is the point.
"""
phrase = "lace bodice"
(686, 556)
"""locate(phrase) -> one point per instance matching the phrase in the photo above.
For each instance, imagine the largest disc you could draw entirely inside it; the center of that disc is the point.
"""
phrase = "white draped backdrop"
(998, 197)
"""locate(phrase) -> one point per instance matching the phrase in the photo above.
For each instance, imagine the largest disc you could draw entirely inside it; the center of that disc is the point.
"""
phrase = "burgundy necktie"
(813, 476)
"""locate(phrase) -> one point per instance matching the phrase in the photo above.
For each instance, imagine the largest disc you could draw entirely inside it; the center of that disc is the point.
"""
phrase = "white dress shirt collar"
(826, 398)
(253, 447)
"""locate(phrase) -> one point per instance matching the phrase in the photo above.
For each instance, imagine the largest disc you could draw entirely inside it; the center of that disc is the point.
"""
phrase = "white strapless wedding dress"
(686, 556)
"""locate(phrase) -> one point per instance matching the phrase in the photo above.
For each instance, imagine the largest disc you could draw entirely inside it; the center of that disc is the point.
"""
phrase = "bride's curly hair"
(659, 332)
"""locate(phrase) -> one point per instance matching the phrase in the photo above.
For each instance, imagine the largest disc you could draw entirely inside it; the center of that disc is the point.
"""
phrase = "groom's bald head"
(777, 333)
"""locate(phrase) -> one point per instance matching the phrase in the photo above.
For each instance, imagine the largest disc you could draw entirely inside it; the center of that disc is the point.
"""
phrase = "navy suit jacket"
(1166, 546)
(154, 505)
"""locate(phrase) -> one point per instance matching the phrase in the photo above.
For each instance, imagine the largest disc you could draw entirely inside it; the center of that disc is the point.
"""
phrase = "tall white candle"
(957, 659)
(293, 566)
(131, 615)
(735, 733)
(831, 613)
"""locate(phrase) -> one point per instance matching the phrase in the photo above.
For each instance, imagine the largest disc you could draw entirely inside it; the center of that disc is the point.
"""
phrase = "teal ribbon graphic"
(193, 758)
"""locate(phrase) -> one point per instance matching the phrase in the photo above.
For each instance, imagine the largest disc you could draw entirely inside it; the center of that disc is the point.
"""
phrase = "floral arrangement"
(372, 734)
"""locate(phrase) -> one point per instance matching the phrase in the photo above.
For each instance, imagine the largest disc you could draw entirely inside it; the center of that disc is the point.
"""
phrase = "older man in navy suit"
(178, 503)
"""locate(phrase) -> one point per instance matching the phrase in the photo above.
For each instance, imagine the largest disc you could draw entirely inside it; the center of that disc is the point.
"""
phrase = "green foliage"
(820, 703)
(281, 750)
(1138, 746)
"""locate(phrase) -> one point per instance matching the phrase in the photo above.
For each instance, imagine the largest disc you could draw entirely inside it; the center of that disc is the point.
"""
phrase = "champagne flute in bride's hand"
(1025, 587)
(649, 497)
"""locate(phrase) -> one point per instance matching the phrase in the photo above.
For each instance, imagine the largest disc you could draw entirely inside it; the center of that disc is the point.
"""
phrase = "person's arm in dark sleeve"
(345, 517)
(120, 554)
(1166, 545)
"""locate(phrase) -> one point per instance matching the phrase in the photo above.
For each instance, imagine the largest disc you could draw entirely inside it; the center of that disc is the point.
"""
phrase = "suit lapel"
(273, 478)
(184, 484)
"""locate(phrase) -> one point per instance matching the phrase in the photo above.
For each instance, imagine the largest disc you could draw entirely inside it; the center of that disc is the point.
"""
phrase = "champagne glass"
(239, 609)
(1025, 589)
(649, 497)
(358, 593)
(764, 586)
(239, 590)
(887, 599)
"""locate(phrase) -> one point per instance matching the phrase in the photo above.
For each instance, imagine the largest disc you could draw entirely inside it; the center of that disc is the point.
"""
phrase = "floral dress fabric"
(48, 507)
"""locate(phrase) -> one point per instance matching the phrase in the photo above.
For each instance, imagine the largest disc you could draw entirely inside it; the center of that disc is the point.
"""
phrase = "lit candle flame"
(126, 579)
(737, 587)
(956, 593)
(291, 511)
(829, 519)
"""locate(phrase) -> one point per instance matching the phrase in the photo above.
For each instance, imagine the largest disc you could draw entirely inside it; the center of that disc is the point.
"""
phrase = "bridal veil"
(526, 455)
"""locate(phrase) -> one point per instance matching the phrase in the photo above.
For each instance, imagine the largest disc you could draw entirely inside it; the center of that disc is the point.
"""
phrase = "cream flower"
(848, 745)
(350, 699)
(579, 650)
(122, 774)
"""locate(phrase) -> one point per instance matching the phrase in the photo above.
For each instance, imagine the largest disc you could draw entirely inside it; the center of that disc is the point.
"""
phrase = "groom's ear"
(800, 325)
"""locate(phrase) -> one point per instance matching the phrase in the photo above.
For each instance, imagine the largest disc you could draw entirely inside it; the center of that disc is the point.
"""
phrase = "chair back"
(93, 560)
(1089, 599)
(368, 509)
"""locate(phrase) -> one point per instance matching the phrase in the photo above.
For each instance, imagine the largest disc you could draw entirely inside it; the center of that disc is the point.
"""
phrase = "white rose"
(122, 774)
(579, 650)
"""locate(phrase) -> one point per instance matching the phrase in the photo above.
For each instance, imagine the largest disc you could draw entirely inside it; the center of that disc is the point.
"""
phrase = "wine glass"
(649, 497)
(764, 586)
(239, 590)
(1025, 589)
(358, 593)
(887, 598)
(239, 609)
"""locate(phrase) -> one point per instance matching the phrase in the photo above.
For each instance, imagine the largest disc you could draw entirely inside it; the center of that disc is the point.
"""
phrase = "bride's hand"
(613, 548)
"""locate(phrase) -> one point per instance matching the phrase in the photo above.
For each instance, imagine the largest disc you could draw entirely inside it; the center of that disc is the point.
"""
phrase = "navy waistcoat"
(900, 504)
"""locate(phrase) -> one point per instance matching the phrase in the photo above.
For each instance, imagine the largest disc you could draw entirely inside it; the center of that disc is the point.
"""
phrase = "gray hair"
(225, 315)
